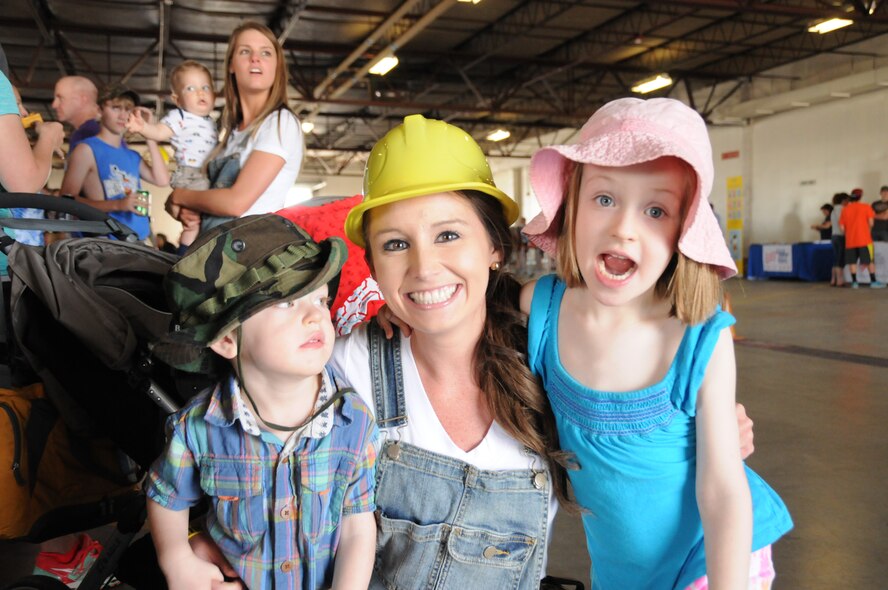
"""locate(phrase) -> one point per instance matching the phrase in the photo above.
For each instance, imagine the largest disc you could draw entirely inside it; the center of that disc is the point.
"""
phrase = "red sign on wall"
(730, 155)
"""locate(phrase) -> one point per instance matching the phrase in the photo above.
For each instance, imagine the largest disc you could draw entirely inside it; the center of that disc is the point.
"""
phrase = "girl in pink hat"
(637, 357)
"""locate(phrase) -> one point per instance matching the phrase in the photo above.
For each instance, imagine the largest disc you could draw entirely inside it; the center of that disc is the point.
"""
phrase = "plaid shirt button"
(286, 512)
(287, 566)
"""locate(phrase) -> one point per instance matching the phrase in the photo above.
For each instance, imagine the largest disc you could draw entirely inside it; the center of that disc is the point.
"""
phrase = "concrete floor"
(813, 374)
(812, 370)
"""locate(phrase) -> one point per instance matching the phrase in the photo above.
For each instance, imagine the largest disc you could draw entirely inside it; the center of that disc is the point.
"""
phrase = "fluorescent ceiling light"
(470, 1)
(384, 65)
(830, 25)
(651, 84)
(307, 126)
(498, 135)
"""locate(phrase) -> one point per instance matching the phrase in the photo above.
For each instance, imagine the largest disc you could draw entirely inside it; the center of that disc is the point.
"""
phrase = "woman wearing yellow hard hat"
(469, 474)
(465, 491)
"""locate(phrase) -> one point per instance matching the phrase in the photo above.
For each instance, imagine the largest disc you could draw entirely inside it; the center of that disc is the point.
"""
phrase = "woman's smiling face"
(431, 256)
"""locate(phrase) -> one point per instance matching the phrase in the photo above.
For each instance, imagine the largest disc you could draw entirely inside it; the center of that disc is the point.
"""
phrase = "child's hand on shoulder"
(387, 319)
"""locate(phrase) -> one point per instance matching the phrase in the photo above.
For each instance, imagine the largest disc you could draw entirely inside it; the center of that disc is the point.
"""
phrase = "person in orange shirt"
(856, 221)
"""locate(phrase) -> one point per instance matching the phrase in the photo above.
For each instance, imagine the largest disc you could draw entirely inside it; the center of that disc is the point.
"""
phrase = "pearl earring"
(495, 266)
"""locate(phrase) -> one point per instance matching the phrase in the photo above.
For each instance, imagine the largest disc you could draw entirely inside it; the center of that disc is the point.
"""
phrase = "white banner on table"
(777, 257)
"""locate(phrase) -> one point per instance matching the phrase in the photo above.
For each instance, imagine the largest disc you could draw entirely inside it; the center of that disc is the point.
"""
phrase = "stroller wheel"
(37, 583)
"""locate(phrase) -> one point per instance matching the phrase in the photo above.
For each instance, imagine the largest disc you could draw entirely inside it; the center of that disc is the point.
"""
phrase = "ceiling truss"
(533, 66)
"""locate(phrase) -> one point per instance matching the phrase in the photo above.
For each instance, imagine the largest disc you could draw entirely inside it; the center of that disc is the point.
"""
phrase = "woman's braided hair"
(515, 395)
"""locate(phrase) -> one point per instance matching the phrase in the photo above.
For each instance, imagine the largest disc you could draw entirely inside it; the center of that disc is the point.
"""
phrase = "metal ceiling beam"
(799, 10)
(364, 46)
(586, 47)
(33, 65)
(151, 33)
(138, 63)
(285, 19)
(511, 28)
(428, 16)
(165, 13)
(430, 106)
(791, 48)
(48, 28)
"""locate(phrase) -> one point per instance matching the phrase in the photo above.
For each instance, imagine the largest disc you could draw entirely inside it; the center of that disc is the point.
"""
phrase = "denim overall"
(444, 524)
(222, 172)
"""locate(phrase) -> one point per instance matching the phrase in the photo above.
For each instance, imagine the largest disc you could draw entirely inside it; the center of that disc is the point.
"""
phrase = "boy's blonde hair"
(692, 288)
(188, 64)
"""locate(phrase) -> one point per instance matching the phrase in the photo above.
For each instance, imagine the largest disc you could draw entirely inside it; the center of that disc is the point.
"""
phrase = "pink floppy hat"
(630, 131)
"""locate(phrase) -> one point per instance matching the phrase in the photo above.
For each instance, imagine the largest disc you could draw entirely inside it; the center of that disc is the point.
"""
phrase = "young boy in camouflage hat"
(286, 458)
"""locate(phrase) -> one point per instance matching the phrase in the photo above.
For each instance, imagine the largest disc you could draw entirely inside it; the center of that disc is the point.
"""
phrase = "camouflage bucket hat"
(234, 271)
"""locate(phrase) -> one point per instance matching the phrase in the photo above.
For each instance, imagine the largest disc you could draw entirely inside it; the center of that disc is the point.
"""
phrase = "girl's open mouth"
(616, 267)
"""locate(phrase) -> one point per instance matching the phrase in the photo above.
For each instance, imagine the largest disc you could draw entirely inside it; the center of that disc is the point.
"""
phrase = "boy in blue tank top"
(637, 358)
(107, 172)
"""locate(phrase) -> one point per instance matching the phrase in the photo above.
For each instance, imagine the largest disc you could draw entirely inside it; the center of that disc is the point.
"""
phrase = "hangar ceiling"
(529, 66)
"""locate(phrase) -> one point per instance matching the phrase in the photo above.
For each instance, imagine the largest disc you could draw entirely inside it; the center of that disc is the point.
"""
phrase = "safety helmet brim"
(355, 219)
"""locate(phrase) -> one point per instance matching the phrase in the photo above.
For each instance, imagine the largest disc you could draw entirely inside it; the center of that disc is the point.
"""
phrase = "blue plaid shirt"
(276, 505)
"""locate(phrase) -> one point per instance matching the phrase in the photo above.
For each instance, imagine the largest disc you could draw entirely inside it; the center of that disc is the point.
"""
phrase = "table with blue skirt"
(808, 261)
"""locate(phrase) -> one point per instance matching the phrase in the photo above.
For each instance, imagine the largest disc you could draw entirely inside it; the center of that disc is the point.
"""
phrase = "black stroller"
(83, 313)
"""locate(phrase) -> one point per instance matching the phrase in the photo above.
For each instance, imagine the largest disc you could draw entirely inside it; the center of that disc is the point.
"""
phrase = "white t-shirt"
(193, 137)
(281, 135)
(497, 451)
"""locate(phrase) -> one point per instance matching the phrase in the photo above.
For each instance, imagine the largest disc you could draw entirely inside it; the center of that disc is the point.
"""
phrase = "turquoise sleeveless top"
(637, 456)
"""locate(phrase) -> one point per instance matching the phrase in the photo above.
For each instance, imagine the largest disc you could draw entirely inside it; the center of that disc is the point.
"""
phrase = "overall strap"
(387, 377)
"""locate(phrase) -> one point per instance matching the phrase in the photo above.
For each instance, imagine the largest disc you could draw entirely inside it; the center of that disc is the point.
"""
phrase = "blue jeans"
(445, 524)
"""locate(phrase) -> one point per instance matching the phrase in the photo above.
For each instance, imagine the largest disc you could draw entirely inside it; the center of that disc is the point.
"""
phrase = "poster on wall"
(735, 220)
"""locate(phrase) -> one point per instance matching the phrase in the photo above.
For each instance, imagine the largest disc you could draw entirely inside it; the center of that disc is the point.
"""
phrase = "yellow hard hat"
(424, 157)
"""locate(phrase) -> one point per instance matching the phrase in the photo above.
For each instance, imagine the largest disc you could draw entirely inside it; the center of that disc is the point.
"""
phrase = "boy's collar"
(226, 406)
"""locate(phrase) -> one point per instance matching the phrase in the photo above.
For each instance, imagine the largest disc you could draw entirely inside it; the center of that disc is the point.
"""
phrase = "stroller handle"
(89, 219)
(50, 203)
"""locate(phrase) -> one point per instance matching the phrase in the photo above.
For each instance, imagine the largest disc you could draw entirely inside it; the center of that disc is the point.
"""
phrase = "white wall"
(793, 162)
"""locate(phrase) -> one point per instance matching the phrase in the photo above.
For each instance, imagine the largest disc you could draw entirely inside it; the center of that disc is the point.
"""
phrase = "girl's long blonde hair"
(232, 114)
